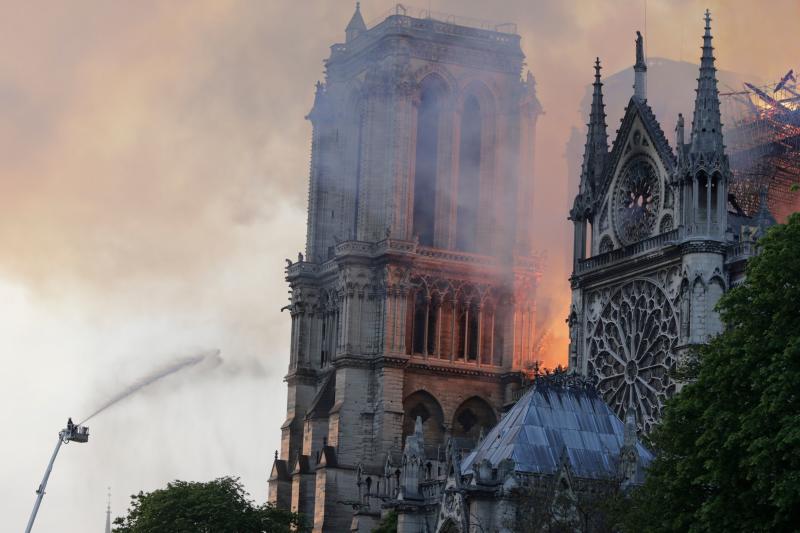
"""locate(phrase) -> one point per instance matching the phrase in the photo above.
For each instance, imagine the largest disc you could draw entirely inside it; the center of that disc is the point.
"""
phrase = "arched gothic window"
(424, 327)
(426, 163)
(469, 164)
(423, 405)
(472, 416)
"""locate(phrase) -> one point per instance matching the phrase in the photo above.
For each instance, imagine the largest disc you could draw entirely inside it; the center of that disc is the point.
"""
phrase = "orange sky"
(154, 173)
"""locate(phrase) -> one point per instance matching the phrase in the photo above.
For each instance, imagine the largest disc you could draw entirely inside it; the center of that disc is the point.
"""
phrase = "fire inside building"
(763, 142)
(410, 382)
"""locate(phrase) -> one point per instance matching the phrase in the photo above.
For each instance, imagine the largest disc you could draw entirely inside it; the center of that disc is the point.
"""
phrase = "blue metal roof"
(550, 421)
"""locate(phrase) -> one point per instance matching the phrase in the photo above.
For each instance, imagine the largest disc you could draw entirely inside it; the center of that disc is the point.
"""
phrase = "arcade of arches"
(465, 324)
(471, 418)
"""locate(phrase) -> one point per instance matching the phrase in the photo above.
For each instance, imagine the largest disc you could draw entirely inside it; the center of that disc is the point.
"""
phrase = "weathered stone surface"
(408, 305)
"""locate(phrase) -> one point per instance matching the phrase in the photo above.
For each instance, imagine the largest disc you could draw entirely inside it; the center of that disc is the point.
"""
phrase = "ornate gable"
(654, 134)
(635, 200)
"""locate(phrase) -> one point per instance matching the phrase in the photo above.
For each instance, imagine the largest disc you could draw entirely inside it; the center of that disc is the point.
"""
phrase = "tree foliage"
(589, 506)
(219, 506)
(388, 523)
(729, 443)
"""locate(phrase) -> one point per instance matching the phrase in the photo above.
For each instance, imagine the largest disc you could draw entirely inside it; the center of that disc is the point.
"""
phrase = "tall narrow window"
(713, 193)
(419, 324)
(498, 337)
(323, 356)
(460, 330)
(702, 195)
(472, 333)
(427, 159)
(432, 334)
(469, 164)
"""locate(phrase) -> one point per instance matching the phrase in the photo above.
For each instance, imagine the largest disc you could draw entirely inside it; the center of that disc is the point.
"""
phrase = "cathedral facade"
(413, 316)
(414, 299)
(657, 240)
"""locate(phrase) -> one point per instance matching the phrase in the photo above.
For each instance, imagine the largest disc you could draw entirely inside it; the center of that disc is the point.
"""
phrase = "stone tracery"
(631, 350)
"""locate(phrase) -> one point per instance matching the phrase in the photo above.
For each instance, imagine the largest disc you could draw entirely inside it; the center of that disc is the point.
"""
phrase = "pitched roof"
(552, 421)
(280, 471)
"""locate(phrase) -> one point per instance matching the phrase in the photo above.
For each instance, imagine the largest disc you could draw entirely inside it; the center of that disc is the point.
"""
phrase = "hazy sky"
(154, 172)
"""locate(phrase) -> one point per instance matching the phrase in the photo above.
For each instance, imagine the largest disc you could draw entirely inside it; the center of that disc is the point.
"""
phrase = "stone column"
(479, 340)
(722, 206)
(425, 327)
(695, 202)
(453, 346)
(708, 204)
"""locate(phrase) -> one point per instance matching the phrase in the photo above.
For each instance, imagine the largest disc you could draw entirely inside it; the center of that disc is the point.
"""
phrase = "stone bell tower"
(415, 297)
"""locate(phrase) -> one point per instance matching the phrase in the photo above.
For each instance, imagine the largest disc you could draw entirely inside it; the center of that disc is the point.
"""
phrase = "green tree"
(729, 443)
(219, 506)
(388, 523)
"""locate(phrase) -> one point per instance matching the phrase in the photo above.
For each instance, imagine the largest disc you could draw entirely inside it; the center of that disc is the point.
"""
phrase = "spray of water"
(155, 376)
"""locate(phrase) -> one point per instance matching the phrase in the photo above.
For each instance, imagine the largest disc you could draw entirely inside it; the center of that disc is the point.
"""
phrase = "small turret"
(764, 219)
(595, 154)
(705, 168)
(640, 71)
(356, 25)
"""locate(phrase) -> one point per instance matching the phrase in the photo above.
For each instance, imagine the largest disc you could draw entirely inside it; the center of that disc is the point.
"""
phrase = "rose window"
(631, 351)
(637, 201)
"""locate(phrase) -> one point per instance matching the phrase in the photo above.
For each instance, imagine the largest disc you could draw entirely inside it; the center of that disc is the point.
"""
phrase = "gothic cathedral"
(415, 297)
(657, 241)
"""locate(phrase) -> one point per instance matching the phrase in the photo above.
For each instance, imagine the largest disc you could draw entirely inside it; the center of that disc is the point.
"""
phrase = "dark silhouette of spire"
(707, 123)
(356, 24)
(596, 149)
(640, 71)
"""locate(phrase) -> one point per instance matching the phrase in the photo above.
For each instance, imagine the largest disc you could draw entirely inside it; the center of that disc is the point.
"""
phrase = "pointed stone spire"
(596, 149)
(356, 25)
(764, 218)
(640, 71)
(707, 124)
(108, 512)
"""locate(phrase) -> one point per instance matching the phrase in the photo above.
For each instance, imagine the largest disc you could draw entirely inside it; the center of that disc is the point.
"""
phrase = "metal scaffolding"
(763, 144)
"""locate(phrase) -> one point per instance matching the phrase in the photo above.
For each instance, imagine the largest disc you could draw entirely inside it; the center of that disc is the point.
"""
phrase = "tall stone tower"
(657, 242)
(415, 297)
